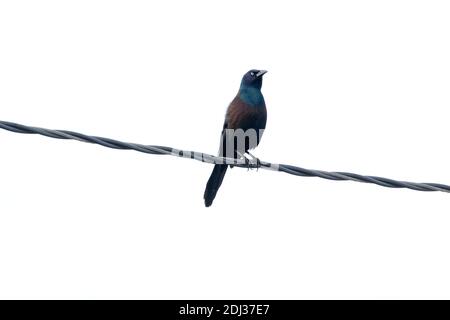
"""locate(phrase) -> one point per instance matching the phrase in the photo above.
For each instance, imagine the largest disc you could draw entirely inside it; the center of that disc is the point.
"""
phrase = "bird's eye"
(252, 74)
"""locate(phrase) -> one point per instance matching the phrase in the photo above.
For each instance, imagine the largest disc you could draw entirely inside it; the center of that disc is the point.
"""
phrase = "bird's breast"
(243, 116)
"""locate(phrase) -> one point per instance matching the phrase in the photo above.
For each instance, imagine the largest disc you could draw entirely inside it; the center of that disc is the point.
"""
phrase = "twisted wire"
(161, 150)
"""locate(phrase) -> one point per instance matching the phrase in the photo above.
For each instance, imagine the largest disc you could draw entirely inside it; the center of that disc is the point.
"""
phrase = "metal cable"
(161, 150)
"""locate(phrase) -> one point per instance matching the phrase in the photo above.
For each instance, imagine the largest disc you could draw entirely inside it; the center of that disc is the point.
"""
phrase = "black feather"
(214, 182)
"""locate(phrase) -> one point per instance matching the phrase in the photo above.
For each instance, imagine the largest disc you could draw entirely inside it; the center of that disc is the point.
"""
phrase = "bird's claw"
(258, 164)
(247, 163)
(250, 163)
(254, 159)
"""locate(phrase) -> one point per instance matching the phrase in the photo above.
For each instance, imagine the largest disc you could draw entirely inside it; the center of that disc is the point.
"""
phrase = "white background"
(358, 86)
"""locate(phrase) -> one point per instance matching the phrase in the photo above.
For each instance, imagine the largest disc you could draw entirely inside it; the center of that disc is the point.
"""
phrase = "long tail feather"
(214, 182)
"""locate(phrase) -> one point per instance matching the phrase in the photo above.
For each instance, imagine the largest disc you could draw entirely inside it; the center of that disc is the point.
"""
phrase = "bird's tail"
(214, 182)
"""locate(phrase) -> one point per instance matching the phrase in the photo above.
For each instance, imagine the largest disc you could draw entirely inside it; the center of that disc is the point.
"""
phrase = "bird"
(247, 111)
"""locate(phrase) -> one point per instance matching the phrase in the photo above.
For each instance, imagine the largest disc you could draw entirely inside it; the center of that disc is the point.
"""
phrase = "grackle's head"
(253, 78)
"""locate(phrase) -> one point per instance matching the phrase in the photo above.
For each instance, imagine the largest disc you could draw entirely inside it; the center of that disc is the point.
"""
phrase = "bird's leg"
(247, 161)
(258, 162)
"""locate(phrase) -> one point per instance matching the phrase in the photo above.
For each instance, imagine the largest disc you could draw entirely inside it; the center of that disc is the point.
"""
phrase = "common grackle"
(245, 121)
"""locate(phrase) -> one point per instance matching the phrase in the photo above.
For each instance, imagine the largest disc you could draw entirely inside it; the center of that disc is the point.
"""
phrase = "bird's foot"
(258, 164)
(247, 163)
(254, 159)
(246, 160)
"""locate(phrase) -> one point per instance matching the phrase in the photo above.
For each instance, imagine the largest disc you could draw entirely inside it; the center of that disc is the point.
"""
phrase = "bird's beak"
(261, 73)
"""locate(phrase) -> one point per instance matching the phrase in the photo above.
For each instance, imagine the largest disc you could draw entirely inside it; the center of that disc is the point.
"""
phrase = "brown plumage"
(240, 115)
